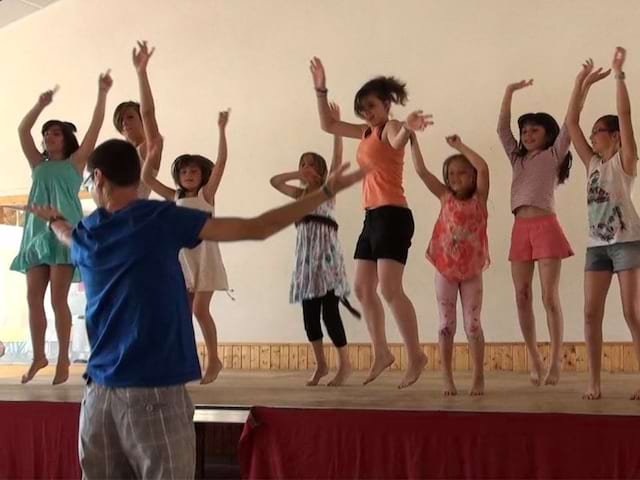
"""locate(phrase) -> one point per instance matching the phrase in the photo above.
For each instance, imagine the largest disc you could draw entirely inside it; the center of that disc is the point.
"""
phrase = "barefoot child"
(459, 250)
(319, 279)
(540, 161)
(383, 245)
(614, 226)
(197, 180)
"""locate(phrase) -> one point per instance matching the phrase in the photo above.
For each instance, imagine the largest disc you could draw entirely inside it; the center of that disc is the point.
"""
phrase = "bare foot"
(341, 376)
(535, 376)
(553, 375)
(636, 395)
(414, 370)
(320, 372)
(380, 364)
(33, 369)
(449, 387)
(212, 371)
(477, 387)
(62, 372)
(592, 393)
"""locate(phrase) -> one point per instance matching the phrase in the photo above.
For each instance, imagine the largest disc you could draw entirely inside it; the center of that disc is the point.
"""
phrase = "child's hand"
(334, 110)
(47, 97)
(317, 73)
(44, 212)
(454, 141)
(418, 121)
(512, 87)
(618, 59)
(223, 118)
(141, 57)
(309, 175)
(594, 76)
(105, 81)
(587, 68)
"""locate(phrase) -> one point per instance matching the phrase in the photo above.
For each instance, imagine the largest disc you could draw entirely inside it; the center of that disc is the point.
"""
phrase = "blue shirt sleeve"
(184, 225)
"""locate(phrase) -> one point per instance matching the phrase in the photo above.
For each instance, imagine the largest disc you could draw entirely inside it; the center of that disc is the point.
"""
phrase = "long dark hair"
(552, 130)
(203, 163)
(68, 135)
(387, 89)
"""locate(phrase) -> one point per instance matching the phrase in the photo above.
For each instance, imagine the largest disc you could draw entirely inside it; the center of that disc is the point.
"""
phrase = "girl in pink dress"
(459, 250)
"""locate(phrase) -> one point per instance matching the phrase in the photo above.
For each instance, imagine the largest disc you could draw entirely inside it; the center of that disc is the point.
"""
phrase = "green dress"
(55, 183)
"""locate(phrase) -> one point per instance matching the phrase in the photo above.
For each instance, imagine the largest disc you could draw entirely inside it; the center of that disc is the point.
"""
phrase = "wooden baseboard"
(509, 357)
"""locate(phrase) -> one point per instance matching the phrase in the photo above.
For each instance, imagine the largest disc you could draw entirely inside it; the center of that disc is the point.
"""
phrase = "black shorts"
(386, 233)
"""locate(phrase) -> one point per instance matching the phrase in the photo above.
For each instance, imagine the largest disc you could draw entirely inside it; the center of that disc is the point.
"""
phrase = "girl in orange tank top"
(383, 245)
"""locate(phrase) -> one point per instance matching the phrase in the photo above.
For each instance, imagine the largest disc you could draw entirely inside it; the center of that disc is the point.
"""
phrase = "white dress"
(202, 266)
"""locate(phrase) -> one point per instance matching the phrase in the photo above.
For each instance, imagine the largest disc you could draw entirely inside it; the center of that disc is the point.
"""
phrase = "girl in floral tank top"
(459, 250)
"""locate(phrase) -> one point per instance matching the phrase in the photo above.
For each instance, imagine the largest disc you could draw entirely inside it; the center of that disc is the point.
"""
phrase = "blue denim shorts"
(613, 258)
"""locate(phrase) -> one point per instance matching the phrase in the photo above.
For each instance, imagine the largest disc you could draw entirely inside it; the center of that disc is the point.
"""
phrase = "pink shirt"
(535, 177)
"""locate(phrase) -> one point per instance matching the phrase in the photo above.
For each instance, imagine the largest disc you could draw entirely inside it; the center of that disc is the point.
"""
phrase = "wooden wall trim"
(499, 356)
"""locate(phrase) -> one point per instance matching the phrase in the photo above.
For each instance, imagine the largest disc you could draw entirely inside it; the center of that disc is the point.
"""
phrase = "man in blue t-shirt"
(137, 417)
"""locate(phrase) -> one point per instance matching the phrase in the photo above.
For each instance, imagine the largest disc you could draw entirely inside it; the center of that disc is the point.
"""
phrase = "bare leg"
(629, 281)
(390, 273)
(61, 277)
(365, 286)
(202, 311)
(322, 369)
(549, 272)
(522, 275)
(344, 368)
(37, 281)
(596, 287)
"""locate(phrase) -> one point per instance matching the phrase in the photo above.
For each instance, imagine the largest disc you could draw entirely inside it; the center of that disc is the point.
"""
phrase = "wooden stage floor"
(505, 392)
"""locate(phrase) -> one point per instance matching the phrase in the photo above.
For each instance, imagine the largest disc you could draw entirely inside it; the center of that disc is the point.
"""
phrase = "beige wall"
(456, 57)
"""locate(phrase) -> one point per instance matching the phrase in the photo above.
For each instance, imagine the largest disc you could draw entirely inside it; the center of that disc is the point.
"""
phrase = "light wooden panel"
(509, 357)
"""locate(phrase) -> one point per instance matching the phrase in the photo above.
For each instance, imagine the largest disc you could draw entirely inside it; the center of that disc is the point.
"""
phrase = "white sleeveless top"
(612, 216)
(202, 266)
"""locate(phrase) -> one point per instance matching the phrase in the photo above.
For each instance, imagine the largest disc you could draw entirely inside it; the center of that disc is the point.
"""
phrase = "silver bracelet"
(620, 76)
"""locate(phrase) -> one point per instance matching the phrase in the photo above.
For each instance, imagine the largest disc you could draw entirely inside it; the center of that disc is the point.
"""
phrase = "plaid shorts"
(137, 433)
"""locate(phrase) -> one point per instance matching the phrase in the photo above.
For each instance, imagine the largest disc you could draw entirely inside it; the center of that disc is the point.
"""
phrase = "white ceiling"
(13, 10)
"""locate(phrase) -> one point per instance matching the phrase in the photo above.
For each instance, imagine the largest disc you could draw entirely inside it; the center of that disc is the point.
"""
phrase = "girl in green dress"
(57, 176)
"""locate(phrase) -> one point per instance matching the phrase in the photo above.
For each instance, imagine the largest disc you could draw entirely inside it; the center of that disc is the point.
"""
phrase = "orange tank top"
(383, 184)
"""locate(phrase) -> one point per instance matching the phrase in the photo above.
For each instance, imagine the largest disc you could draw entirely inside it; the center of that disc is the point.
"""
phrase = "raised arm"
(271, 222)
(482, 169)
(398, 133)
(585, 78)
(34, 156)
(149, 172)
(80, 156)
(327, 123)
(212, 185)
(140, 57)
(432, 182)
(627, 140)
(505, 134)
(336, 158)
(279, 182)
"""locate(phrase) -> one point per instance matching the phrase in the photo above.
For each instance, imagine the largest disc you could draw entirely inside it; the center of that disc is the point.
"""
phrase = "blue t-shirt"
(138, 315)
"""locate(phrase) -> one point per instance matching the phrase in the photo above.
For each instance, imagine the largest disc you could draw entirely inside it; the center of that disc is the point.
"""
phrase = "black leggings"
(330, 314)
